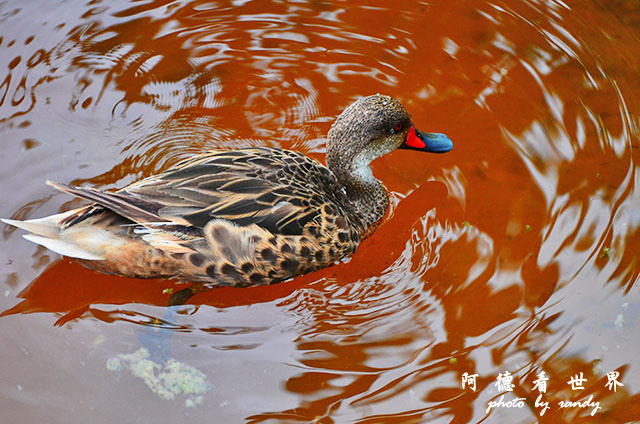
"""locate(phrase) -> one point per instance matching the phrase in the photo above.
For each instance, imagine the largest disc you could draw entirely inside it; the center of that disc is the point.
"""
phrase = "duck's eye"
(398, 127)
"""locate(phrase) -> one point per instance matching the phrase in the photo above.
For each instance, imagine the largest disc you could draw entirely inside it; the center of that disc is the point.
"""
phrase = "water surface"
(516, 252)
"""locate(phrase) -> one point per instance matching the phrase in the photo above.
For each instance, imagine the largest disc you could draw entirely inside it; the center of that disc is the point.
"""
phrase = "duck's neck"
(367, 197)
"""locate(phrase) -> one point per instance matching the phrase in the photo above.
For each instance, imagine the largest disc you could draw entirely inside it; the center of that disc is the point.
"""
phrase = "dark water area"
(515, 252)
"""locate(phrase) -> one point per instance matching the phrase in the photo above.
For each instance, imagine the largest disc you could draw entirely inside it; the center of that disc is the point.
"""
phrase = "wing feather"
(278, 190)
(137, 210)
(268, 187)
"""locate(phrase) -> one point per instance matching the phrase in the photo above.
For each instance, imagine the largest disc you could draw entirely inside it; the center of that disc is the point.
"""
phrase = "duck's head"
(371, 127)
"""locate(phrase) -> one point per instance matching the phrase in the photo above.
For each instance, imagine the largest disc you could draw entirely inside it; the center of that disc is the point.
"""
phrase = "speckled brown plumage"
(238, 218)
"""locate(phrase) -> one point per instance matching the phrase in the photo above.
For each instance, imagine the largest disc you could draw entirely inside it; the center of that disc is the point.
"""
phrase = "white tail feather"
(47, 226)
(63, 247)
(46, 232)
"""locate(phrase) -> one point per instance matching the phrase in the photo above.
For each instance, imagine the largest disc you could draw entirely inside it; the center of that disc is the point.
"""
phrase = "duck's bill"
(426, 142)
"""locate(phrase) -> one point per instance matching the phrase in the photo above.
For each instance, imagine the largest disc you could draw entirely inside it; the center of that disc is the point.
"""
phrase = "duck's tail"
(46, 232)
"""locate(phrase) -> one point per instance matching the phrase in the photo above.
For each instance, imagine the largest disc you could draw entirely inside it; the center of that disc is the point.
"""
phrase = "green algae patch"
(168, 380)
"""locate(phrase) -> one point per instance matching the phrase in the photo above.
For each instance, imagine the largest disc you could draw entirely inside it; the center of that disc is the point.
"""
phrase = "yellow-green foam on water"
(167, 380)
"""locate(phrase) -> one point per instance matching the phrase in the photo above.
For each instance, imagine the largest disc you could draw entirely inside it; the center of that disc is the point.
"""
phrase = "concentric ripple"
(517, 251)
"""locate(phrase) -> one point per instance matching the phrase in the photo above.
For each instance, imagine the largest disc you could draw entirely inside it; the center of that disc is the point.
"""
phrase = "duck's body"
(242, 217)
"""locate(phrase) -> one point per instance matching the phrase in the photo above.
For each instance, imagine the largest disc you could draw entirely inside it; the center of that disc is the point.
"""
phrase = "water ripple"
(526, 263)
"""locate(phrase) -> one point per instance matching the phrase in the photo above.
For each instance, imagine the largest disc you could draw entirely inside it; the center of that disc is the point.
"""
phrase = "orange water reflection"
(515, 252)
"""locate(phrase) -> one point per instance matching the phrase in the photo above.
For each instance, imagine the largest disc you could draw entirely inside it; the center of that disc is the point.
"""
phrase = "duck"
(244, 217)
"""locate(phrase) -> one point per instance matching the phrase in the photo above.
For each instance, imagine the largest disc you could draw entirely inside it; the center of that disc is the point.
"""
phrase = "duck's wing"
(278, 190)
(132, 208)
